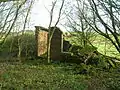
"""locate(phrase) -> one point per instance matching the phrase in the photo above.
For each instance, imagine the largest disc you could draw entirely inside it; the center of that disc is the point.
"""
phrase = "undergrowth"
(57, 76)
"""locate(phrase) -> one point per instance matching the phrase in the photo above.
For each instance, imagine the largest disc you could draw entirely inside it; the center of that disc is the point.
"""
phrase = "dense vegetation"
(33, 75)
(97, 74)
(11, 49)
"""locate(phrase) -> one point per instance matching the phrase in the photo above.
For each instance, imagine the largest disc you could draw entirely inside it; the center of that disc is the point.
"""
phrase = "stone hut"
(56, 42)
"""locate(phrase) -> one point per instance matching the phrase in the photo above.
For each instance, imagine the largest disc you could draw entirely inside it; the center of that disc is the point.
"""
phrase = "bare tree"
(105, 19)
(51, 32)
(14, 17)
(9, 15)
(24, 26)
(81, 30)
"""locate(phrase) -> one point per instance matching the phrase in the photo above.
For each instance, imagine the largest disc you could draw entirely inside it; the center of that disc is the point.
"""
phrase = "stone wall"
(41, 38)
(56, 42)
(56, 45)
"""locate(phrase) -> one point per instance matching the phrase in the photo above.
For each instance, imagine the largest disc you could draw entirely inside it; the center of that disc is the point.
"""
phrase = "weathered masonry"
(56, 42)
(41, 40)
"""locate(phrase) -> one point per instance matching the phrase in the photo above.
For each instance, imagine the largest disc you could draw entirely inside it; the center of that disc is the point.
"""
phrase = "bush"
(10, 47)
(80, 54)
(89, 56)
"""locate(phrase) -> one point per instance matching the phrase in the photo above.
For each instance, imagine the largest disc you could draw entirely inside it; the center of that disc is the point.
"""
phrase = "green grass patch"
(39, 77)
(57, 77)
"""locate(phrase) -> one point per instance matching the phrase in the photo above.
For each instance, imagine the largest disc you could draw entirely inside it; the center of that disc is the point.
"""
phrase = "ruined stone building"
(57, 43)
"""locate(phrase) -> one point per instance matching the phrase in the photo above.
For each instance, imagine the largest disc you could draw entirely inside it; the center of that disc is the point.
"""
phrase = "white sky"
(40, 15)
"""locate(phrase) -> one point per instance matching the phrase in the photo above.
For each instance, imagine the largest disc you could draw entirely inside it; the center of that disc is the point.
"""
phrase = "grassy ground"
(39, 77)
(35, 76)
(103, 45)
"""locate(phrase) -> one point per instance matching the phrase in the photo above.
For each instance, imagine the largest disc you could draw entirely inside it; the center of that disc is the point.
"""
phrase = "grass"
(39, 77)
(103, 45)
(29, 76)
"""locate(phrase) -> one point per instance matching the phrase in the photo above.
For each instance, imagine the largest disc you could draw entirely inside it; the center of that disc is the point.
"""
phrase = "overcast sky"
(40, 15)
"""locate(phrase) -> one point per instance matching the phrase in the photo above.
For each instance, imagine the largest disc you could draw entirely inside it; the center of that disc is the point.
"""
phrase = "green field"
(56, 77)
(103, 45)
